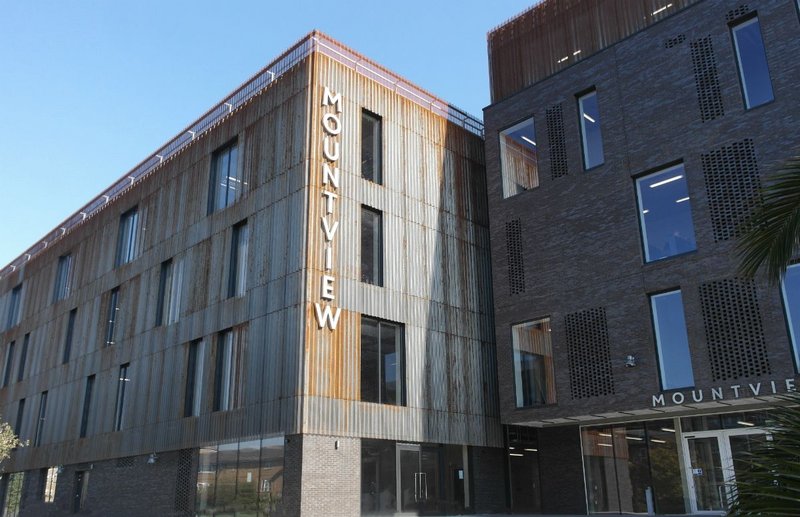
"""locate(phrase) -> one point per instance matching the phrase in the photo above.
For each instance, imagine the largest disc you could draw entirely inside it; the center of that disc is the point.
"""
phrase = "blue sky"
(89, 88)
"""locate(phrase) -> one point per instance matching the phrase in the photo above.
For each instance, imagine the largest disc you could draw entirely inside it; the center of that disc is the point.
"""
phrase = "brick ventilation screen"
(734, 333)
(125, 462)
(704, 63)
(732, 185)
(590, 372)
(674, 42)
(556, 139)
(516, 266)
(737, 13)
(184, 483)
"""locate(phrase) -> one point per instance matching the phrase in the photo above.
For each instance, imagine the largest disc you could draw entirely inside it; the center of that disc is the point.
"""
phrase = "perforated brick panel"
(556, 139)
(516, 266)
(183, 482)
(674, 42)
(737, 13)
(734, 332)
(704, 63)
(125, 462)
(590, 373)
(732, 186)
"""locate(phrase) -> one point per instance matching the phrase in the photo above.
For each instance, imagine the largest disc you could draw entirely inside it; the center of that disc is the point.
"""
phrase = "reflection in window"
(533, 363)
(591, 136)
(752, 60)
(63, 282)
(665, 213)
(50, 482)
(194, 379)
(371, 147)
(170, 284)
(127, 240)
(382, 357)
(229, 369)
(674, 358)
(791, 304)
(14, 303)
(518, 158)
(378, 477)
(12, 484)
(225, 186)
(371, 246)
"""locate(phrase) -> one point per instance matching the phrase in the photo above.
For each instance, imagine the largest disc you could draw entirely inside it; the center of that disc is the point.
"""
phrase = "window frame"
(504, 167)
(195, 366)
(229, 369)
(119, 407)
(111, 317)
(127, 237)
(377, 278)
(377, 147)
(62, 287)
(550, 398)
(238, 260)
(231, 147)
(582, 115)
(23, 357)
(87, 405)
(9, 364)
(734, 26)
(657, 339)
(14, 314)
(69, 335)
(41, 416)
(400, 347)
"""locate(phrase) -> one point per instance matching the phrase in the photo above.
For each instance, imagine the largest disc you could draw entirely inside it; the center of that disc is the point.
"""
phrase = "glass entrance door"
(418, 476)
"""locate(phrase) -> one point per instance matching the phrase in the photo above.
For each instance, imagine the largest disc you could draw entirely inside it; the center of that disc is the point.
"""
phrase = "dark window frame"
(62, 287)
(229, 148)
(377, 277)
(14, 307)
(41, 416)
(111, 317)
(127, 237)
(656, 339)
(69, 335)
(747, 19)
(237, 267)
(400, 346)
(9, 363)
(376, 174)
(87, 405)
(165, 276)
(23, 357)
(582, 129)
(194, 351)
(119, 407)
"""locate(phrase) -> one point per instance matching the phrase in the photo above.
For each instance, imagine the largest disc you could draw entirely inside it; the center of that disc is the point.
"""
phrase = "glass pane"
(633, 467)
(590, 131)
(234, 184)
(370, 361)
(371, 247)
(707, 475)
(741, 447)
(665, 468)
(370, 147)
(518, 158)
(600, 467)
(242, 243)
(533, 363)
(451, 495)
(206, 478)
(226, 477)
(665, 213)
(752, 57)
(378, 477)
(271, 480)
(428, 480)
(409, 480)
(675, 361)
(247, 477)
(791, 304)
(390, 364)
(221, 163)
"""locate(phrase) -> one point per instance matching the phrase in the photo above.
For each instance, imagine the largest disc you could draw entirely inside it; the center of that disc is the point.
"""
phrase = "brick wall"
(488, 480)
(331, 477)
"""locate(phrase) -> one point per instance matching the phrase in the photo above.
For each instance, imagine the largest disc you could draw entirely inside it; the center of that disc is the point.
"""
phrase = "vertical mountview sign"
(328, 316)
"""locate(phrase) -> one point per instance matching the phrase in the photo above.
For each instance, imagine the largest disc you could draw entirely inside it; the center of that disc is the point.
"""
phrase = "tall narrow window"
(194, 379)
(23, 357)
(87, 405)
(226, 185)
(534, 377)
(371, 147)
(63, 284)
(170, 285)
(519, 158)
(382, 362)
(228, 369)
(68, 336)
(674, 358)
(14, 305)
(591, 136)
(791, 306)
(371, 246)
(50, 481)
(112, 313)
(119, 410)
(20, 415)
(237, 277)
(752, 60)
(665, 213)
(9, 364)
(37, 436)
(127, 239)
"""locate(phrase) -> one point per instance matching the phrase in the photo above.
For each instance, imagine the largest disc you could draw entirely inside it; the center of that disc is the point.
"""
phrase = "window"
(534, 377)
(63, 283)
(591, 136)
(752, 60)
(127, 238)
(371, 246)
(371, 147)
(37, 436)
(170, 285)
(49, 479)
(119, 410)
(68, 337)
(665, 213)
(20, 415)
(791, 306)
(23, 357)
(237, 278)
(12, 492)
(14, 307)
(382, 362)
(87, 405)
(674, 359)
(519, 158)
(228, 369)
(226, 185)
(194, 379)
(80, 491)
(9, 364)
(111, 313)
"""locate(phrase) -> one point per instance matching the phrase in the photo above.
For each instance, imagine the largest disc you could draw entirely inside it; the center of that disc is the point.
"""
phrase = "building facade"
(626, 144)
(294, 292)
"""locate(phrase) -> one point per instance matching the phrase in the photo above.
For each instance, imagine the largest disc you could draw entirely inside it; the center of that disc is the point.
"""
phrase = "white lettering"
(658, 399)
(677, 398)
(330, 197)
(327, 318)
(774, 388)
(755, 389)
(790, 385)
(329, 155)
(328, 258)
(330, 175)
(329, 230)
(330, 99)
(694, 396)
(716, 394)
(735, 389)
(331, 124)
(326, 287)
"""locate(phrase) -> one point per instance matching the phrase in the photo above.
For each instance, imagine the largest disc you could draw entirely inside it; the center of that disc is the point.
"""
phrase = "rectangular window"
(371, 147)
(194, 379)
(170, 285)
(791, 305)
(229, 369)
(669, 323)
(14, 305)
(80, 490)
(9, 364)
(23, 357)
(237, 277)
(534, 376)
(665, 213)
(226, 185)
(68, 337)
(127, 239)
(63, 284)
(87, 405)
(49, 481)
(119, 410)
(12, 484)
(752, 60)
(111, 316)
(20, 415)
(37, 436)
(371, 246)
(382, 362)
(591, 136)
(519, 161)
